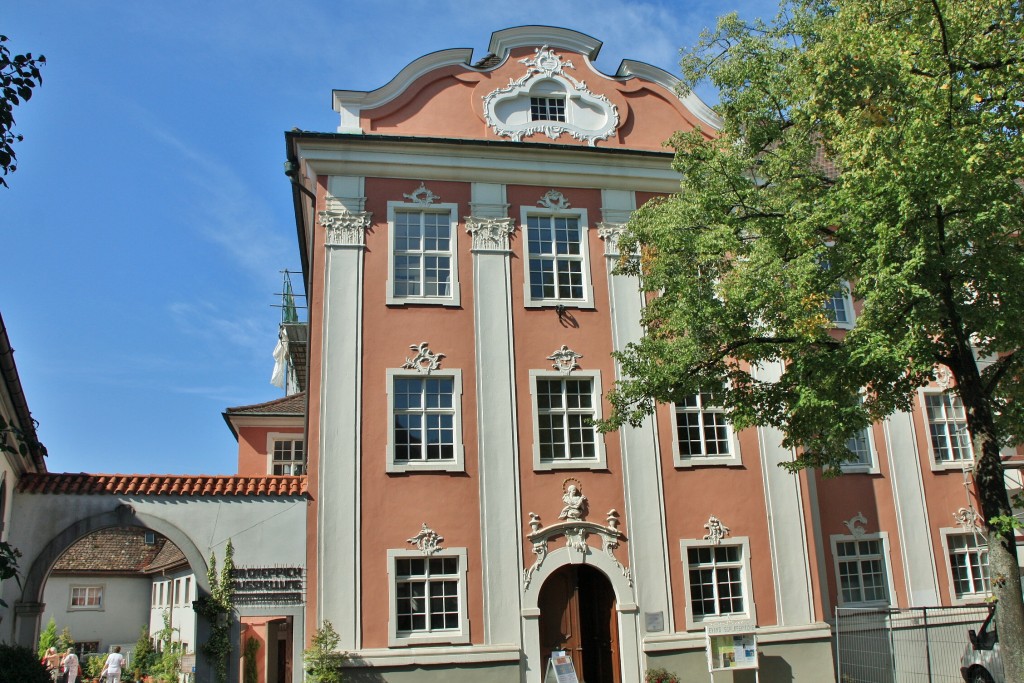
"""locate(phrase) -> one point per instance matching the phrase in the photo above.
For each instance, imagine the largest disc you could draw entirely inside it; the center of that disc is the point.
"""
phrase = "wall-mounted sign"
(269, 585)
(731, 645)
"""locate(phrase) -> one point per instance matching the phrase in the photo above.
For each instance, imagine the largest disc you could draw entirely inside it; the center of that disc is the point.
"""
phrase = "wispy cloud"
(206, 321)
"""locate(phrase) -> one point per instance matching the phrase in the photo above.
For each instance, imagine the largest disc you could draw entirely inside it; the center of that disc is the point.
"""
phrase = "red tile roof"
(162, 484)
(170, 557)
(295, 404)
(118, 550)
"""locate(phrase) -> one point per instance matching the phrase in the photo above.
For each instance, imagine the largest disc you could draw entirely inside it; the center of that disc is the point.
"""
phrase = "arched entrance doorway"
(577, 615)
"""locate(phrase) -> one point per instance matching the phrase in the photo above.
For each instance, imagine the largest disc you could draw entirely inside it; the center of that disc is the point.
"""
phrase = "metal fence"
(913, 645)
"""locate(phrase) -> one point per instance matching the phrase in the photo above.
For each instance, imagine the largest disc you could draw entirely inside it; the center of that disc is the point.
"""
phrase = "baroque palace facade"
(458, 235)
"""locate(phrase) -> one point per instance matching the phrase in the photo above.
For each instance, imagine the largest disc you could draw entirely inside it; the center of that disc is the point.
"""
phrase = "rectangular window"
(947, 426)
(716, 580)
(86, 597)
(860, 449)
(703, 433)
(547, 109)
(565, 419)
(565, 409)
(424, 419)
(188, 587)
(289, 457)
(422, 261)
(839, 307)
(968, 563)
(153, 602)
(90, 647)
(425, 426)
(556, 258)
(428, 603)
(861, 571)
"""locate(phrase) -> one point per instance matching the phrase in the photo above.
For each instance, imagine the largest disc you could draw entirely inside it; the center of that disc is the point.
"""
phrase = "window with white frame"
(703, 433)
(425, 430)
(717, 579)
(287, 455)
(968, 564)
(557, 269)
(839, 306)
(550, 108)
(423, 263)
(565, 410)
(86, 597)
(428, 597)
(947, 428)
(861, 452)
(861, 569)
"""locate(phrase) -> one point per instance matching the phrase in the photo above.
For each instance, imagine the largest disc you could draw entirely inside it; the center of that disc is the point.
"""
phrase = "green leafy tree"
(249, 652)
(19, 74)
(217, 608)
(47, 638)
(64, 640)
(166, 664)
(143, 656)
(872, 142)
(324, 663)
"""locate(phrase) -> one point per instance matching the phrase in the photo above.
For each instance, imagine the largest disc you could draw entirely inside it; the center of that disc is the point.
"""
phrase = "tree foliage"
(20, 665)
(324, 662)
(19, 74)
(217, 608)
(873, 142)
(143, 655)
(47, 638)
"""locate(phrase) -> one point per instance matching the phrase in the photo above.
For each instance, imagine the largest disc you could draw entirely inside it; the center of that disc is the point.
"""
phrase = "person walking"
(70, 664)
(112, 667)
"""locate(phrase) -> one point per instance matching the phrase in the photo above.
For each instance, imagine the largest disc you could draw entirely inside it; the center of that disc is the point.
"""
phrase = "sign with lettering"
(731, 651)
(269, 585)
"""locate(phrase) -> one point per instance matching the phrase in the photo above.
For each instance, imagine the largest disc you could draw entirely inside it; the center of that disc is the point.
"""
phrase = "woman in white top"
(112, 667)
(70, 664)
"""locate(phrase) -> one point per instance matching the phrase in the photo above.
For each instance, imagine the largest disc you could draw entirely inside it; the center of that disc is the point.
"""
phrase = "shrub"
(20, 665)
(324, 663)
(660, 676)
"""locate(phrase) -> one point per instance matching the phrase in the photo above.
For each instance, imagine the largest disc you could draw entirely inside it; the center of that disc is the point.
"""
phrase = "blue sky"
(145, 228)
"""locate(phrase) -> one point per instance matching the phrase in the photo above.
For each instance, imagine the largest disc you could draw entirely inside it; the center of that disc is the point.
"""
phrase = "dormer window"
(547, 109)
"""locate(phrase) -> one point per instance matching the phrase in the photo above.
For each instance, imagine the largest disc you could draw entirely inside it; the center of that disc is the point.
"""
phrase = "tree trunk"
(990, 489)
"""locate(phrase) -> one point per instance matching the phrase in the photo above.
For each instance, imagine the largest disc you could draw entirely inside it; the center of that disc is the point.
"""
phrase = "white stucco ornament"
(422, 196)
(345, 227)
(588, 116)
(967, 519)
(856, 525)
(425, 361)
(716, 530)
(565, 360)
(554, 200)
(490, 234)
(427, 540)
(576, 531)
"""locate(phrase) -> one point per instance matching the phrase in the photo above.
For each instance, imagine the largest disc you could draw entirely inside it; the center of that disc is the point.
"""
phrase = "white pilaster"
(497, 443)
(641, 467)
(914, 532)
(787, 526)
(338, 580)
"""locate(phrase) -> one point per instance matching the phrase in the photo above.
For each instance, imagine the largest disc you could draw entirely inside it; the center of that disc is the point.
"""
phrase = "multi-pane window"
(716, 580)
(947, 425)
(424, 419)
(565, 419)
(547, 109)
(702, 430)
(86, 597)
(838, 307)
(862, 573)
(422, 254)
(555, 258)
(289, 457)
(427, 599)
(968, 560)
(859, 446)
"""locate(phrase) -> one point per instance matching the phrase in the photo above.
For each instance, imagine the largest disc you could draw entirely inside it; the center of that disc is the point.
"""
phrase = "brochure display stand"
(560, 669)
(731, 646)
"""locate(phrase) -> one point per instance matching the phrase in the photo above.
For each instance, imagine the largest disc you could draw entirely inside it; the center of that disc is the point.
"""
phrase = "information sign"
(560, 669)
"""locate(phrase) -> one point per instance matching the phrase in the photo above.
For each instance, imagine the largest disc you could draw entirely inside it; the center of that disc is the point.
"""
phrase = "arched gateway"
(263, 517)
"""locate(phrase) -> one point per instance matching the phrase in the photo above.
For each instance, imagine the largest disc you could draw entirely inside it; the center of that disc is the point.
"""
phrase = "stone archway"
(29, 608)
(625, 608)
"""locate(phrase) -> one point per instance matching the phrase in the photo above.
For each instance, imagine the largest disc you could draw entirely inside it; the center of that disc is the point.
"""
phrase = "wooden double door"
(577, 615)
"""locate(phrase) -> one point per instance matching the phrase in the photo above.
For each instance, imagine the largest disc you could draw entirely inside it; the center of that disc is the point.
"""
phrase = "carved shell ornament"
(967, 519)
(424, 361)
(856, 525)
